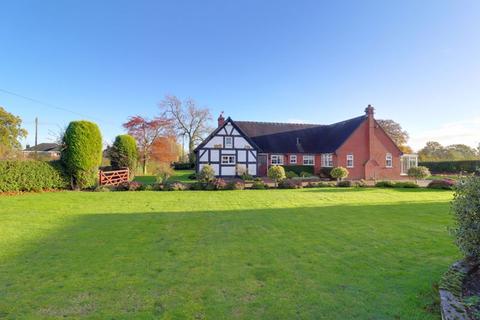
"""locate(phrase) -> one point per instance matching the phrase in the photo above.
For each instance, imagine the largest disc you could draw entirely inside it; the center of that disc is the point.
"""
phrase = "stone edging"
(450, 290)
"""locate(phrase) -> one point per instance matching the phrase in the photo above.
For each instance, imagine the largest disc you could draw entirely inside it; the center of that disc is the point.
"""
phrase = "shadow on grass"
(339, 262)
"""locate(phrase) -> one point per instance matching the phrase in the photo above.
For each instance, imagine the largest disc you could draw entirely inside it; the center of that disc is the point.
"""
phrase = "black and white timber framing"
(211, 150)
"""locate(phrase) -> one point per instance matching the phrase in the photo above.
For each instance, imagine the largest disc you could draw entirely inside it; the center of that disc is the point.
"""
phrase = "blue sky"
(417, 62)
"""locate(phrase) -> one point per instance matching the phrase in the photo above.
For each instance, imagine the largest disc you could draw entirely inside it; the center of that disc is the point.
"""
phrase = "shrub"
(175, 186)
(344, 183)
(290, 184)
(298, 169)
(385, 184)
(339, 173)
(466, 211)
(192, 176)
(102, 189)
(306, 174)
(163, 172)
(207, 174)
(469, 166)
(129, 186)
(246, 177)
(82, 152)
(198, 186)
(420, 172)
(235, 185)
(291, 174)
(276, 173)
(325, 173)
(123, 153)
(32, 175)
(406, 184)
(259, 185)
(146, 187)
(360, 183)
(445, 184)
(216, 184)
(183, 165)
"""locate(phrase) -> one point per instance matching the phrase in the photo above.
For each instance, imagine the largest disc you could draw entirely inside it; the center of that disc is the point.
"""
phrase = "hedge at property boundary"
(32, 175)
(183, 165)
(298, 169)
(470, 166)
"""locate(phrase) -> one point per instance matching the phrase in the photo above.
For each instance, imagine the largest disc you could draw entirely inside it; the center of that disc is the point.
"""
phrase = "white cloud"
(465, 132)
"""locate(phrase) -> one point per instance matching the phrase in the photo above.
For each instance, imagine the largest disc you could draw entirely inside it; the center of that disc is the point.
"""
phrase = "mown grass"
(180, 175)
(322, 253)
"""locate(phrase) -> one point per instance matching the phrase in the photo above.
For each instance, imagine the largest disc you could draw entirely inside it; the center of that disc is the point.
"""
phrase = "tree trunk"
(144, 166)
(191, 146)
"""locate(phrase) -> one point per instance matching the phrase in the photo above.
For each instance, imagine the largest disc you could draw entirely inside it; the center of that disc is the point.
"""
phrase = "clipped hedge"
(183, 165)
(32, 175)
(123, 153)
(298, 169)
(470, 166)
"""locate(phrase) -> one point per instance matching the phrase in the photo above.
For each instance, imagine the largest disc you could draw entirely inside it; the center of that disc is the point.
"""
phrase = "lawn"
(326, 253)
(180, 175)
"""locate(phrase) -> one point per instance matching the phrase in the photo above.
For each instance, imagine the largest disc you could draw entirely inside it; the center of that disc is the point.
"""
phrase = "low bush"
(32, 175)
(325, 173)
(216, 184)
(406, 184)
(276, 173)
(129, 186)
(290, 184)
(192, 176)
(206, 174)
(298, 169)
(419, 172)
(183, 165)
(102, 189)
(466, 211)
(246, 177)
(344, 183)
(385, 184)
(175, 186)
(360, 183)
(147, 187)
(445, 184)
(469, 166)
(162, 172)
(235, 185)
(258, 184)
(291, 174)
(306, 174)
(339, 173)
(198, 186)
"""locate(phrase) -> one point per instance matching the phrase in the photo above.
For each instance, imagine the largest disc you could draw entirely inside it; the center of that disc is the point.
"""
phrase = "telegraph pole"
(36, 131)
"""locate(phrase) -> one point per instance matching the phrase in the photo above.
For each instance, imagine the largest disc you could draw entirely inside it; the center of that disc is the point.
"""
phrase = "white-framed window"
(228, 142)
(389, 160)
(327, 160)
(293, 158)
(349, 160)
(276, 159)
(308, 160)
(228, 159)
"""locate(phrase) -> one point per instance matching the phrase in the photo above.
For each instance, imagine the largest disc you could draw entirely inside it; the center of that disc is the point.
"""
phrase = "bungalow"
(358, 144)
(49, 150)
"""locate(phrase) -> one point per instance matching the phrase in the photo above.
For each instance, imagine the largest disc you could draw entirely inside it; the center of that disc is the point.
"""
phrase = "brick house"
(358, 144)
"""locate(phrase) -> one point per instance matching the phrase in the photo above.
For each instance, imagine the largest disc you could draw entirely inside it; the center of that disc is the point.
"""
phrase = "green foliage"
(325, 173)
(298, 169)
(406, 184)
(339, 173)
(163, 172)
(395, 131)
(216, 184)
(10, 132)
(345, 183)
(466, 210)
(276, 173)
(246, 177)
(291, 174)
(419, 172)
(434, 151)
(258, 185)
(32, 175)
(385, 184)
(123, 153)
(183, 165)
(82, 153)
(457, 167)
(207, 174)
(235, 185)
(306, 174)
(445, 184)
(176, 186)
(290, 184)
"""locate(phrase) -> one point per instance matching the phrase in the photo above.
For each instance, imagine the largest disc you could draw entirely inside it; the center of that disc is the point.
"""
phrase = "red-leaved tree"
(146, 131)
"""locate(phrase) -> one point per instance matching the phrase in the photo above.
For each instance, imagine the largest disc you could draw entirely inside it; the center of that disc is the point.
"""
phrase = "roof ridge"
(282, 123)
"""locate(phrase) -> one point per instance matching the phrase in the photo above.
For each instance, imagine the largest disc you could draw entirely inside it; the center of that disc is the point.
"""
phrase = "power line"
(54, 106)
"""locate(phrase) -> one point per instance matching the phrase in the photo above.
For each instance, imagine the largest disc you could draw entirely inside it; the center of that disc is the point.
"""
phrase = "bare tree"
(188, 118)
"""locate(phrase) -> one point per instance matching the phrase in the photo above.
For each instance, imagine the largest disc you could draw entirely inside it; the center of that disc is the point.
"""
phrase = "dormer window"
(228, 142)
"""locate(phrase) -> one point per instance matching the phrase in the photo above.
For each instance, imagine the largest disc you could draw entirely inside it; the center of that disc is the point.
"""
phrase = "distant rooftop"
(44, 147)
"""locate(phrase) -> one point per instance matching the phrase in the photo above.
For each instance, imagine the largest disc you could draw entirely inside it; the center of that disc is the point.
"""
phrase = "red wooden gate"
(113, 178)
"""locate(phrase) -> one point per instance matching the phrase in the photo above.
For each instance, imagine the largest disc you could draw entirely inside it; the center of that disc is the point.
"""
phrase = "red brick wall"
(376, 168)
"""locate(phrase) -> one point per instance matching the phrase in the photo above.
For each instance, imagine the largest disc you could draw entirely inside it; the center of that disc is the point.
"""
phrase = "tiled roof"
(44, 147)
(292, 138)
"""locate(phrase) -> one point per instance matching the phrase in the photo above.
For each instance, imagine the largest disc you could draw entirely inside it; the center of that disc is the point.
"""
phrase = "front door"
(262, 165)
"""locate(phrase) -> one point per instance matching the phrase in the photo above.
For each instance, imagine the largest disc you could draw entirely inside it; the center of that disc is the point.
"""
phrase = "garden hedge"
(124, 153)
(298, 169)
(470, 166)
(82, 153)
(32, 175)
(183, 165)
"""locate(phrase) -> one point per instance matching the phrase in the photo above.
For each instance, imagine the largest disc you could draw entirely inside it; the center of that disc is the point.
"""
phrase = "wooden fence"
(113, 178)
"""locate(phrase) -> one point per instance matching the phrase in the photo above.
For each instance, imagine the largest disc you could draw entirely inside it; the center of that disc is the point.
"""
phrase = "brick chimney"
(369, 111)
(221, 120)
